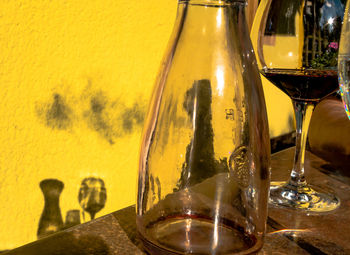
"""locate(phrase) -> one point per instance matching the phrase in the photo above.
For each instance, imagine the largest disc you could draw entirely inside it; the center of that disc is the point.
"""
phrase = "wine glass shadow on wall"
(297, 46)
(92, 196)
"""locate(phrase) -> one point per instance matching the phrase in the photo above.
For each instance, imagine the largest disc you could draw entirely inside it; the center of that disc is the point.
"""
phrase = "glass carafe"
(205, 154)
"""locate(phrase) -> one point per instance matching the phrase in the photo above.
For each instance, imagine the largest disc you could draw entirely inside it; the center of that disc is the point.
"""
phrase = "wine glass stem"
(92, 215)
(303, 112)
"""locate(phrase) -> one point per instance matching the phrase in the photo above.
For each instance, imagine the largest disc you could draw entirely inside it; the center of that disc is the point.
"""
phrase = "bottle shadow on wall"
(51, 218)
(92, 198)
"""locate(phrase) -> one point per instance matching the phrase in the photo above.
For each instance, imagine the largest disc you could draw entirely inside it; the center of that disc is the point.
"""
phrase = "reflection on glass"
(200, 162)
(92, 196)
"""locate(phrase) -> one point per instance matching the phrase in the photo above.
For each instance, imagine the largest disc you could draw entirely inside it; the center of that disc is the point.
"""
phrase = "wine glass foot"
(304, 198)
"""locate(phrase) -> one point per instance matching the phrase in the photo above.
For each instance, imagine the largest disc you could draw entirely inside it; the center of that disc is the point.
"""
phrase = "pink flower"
(333, 45)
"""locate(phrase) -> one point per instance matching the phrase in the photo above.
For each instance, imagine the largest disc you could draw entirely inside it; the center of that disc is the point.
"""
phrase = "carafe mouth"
(51, 186)
(213, 2)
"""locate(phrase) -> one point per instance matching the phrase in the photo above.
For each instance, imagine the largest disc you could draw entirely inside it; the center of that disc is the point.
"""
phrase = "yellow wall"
(105, 50)
(83, 51)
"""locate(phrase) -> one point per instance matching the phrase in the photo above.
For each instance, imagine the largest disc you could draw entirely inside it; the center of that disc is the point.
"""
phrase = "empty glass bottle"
(205, 155)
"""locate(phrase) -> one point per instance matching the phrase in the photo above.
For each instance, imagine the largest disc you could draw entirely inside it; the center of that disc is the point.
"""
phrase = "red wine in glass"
(179, 230)
(306, 85)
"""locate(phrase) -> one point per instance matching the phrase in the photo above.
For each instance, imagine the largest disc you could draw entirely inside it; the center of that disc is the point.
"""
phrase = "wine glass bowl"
(297, 50)
(92, 195)
(300, 34)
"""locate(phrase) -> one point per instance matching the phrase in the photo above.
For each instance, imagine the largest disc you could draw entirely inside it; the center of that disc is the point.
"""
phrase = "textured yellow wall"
(107, 52)
(75, 80)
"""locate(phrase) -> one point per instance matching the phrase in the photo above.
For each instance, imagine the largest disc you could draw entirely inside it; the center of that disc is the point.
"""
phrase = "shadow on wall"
(94, 110)
(286, 140)
(92, 198)
(51, 218)
(109, 118)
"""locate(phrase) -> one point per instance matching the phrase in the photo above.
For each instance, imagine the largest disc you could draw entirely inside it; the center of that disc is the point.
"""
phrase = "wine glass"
(297, 49)
(344, 61)
(92, 195)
